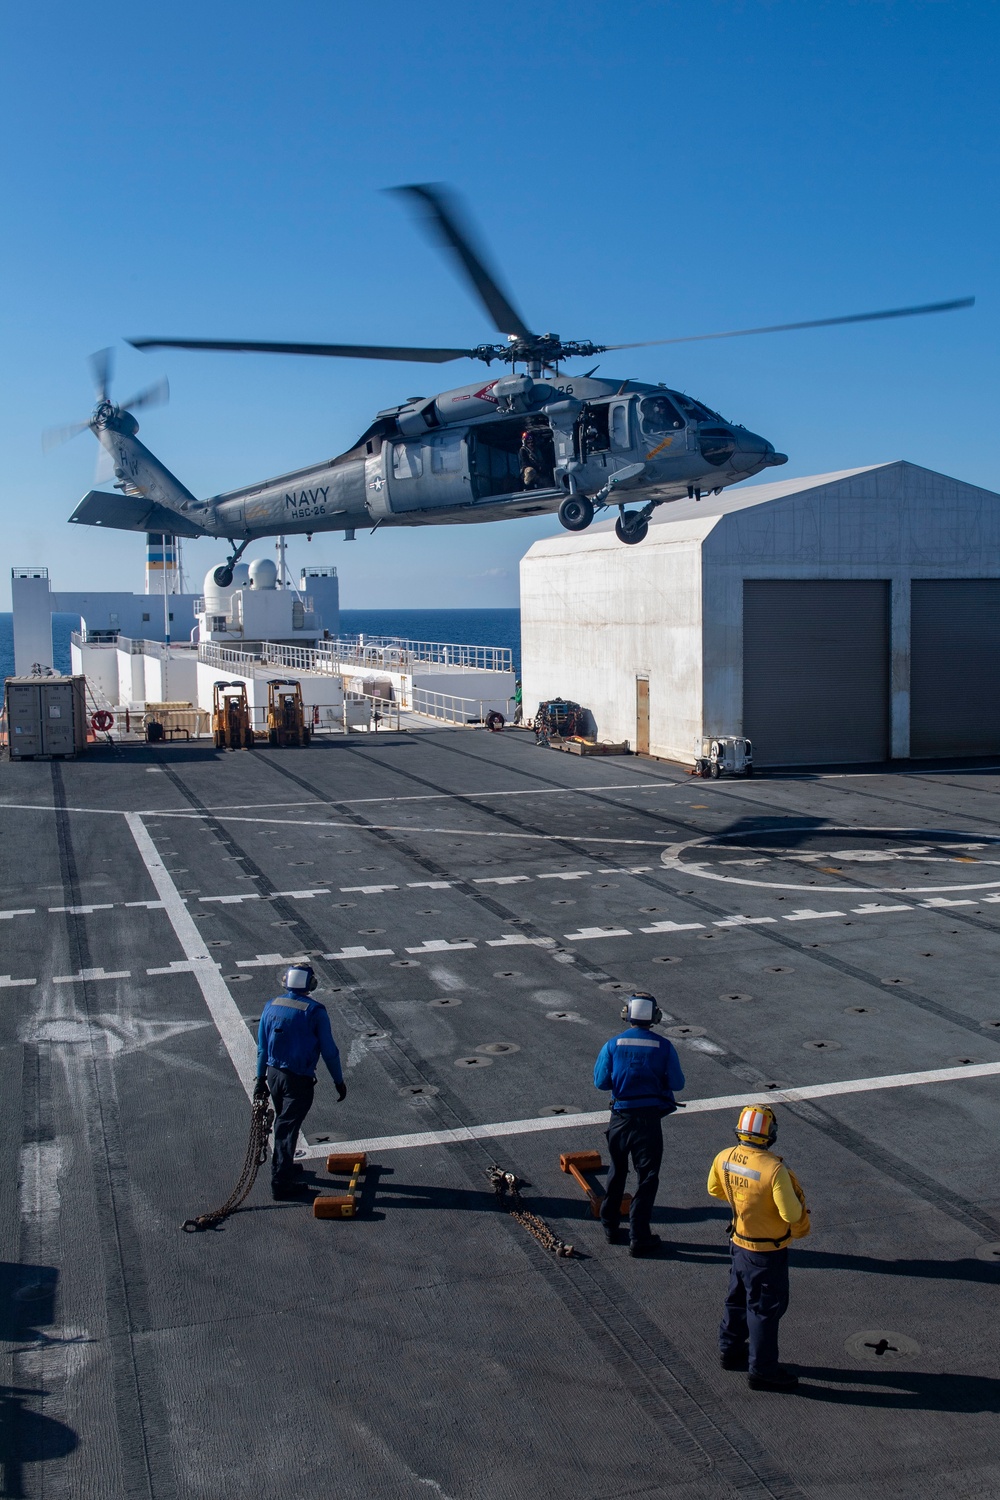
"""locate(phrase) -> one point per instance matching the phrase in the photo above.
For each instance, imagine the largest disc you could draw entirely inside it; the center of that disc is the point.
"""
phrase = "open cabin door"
(426, 472)
(494, 461)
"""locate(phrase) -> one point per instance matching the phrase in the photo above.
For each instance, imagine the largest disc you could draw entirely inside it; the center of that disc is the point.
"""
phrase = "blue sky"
(639, 169)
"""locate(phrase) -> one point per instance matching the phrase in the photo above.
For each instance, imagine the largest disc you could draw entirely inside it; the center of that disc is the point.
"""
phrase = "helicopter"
(533, 440)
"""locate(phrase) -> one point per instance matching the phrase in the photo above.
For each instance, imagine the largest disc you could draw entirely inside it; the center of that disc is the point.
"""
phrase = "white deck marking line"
(740, 921)
(6, 983)
(178, 966)
(671, 859)
(24, 911)
(222, 1007)
(598, 1118)
(83, 911)
(439, 945)
(586, 933)
(451, 833)
(672, 927)
(805, 915)
(361, 953)
(263, 961)
(520, 940)
(563, 791)
(86, 975)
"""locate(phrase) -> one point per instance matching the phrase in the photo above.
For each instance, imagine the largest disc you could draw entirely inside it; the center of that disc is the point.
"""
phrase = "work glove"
(341, 1092)
(260, 1089)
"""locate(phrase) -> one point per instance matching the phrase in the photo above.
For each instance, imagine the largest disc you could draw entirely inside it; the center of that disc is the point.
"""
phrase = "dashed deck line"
(597, 1119)
(88, 976)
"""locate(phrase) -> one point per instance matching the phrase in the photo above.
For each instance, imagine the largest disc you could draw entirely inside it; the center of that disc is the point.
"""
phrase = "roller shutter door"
(816, 670)
(954, 666)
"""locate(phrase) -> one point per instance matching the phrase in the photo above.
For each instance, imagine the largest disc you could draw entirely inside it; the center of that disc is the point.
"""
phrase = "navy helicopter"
(533, 440)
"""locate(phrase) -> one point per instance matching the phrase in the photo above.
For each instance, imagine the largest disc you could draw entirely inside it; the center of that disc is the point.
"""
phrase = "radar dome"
(263, 573)
(241, 576)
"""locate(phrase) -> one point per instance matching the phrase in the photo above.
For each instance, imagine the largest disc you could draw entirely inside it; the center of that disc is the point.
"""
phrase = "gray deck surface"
(431, 1347)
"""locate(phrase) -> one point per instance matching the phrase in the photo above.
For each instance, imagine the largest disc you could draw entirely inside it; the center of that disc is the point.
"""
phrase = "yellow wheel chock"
(341, 1205)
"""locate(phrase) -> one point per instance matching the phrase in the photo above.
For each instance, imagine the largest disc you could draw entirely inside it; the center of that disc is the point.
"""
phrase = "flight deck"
(475, 908)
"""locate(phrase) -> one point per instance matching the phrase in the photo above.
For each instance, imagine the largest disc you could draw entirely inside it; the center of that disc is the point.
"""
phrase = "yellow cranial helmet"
(757, 1125)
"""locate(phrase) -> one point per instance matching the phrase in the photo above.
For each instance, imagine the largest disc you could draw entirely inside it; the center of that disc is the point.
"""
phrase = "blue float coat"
(641, 1069)
(294, 1032)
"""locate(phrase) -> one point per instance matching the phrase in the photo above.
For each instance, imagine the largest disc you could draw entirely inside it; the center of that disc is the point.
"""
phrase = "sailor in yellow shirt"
(769, 1210)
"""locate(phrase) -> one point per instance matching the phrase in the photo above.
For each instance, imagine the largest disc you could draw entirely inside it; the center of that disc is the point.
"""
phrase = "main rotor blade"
(445, 217)
(335, 351)
(102, 365)
(872, 317)
(153, 395)
(53, 436)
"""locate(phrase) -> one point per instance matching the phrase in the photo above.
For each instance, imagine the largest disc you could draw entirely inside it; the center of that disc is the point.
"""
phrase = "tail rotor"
(106, 411)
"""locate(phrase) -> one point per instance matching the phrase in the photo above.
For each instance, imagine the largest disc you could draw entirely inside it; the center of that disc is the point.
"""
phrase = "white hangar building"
(846, 617)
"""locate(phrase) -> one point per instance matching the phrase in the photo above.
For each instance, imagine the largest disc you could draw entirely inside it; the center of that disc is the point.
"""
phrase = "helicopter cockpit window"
(407, 461)
(695, 410)
(658, 416)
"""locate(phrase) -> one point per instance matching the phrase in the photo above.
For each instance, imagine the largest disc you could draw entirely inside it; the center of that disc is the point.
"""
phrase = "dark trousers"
(292, 1097)
(758, 1295)
(634, 1134)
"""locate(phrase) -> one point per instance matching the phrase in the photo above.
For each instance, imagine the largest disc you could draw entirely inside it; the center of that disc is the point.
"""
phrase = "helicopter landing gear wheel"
(576, 513)
(223, 575)
(631, 532)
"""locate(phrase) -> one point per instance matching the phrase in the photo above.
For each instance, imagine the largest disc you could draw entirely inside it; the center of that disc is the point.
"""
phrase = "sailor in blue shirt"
(643, 1072)
(294, 1033)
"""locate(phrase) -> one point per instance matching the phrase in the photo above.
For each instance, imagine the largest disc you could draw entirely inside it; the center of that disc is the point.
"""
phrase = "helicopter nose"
(754, 452)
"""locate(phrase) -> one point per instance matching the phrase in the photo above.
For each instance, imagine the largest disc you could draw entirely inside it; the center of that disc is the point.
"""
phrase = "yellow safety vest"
(748, 1174)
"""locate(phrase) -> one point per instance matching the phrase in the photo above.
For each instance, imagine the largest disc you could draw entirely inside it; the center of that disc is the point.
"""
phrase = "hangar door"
(954, 666)
(816, 670)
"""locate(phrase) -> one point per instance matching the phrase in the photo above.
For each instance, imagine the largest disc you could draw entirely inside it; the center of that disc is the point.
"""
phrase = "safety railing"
(214, 655)
(95, 637)
(446, 707)
(300, 658)
(330, 657)
(396, 653)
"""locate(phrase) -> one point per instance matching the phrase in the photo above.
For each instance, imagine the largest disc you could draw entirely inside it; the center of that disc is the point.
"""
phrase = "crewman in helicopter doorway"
(643, 1072)
(294, 1033)
(769, 1211)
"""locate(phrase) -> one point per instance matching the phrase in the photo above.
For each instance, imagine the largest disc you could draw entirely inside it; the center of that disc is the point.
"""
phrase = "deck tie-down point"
(576, 1163)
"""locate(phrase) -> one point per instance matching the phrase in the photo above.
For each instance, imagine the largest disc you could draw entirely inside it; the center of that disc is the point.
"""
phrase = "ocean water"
(459, 627)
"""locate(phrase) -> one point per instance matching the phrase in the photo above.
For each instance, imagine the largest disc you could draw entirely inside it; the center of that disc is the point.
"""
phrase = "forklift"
(286, 715)
(231, 725)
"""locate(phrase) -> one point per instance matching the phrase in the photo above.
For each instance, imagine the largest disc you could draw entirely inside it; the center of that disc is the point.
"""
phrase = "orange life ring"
(102, 720)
